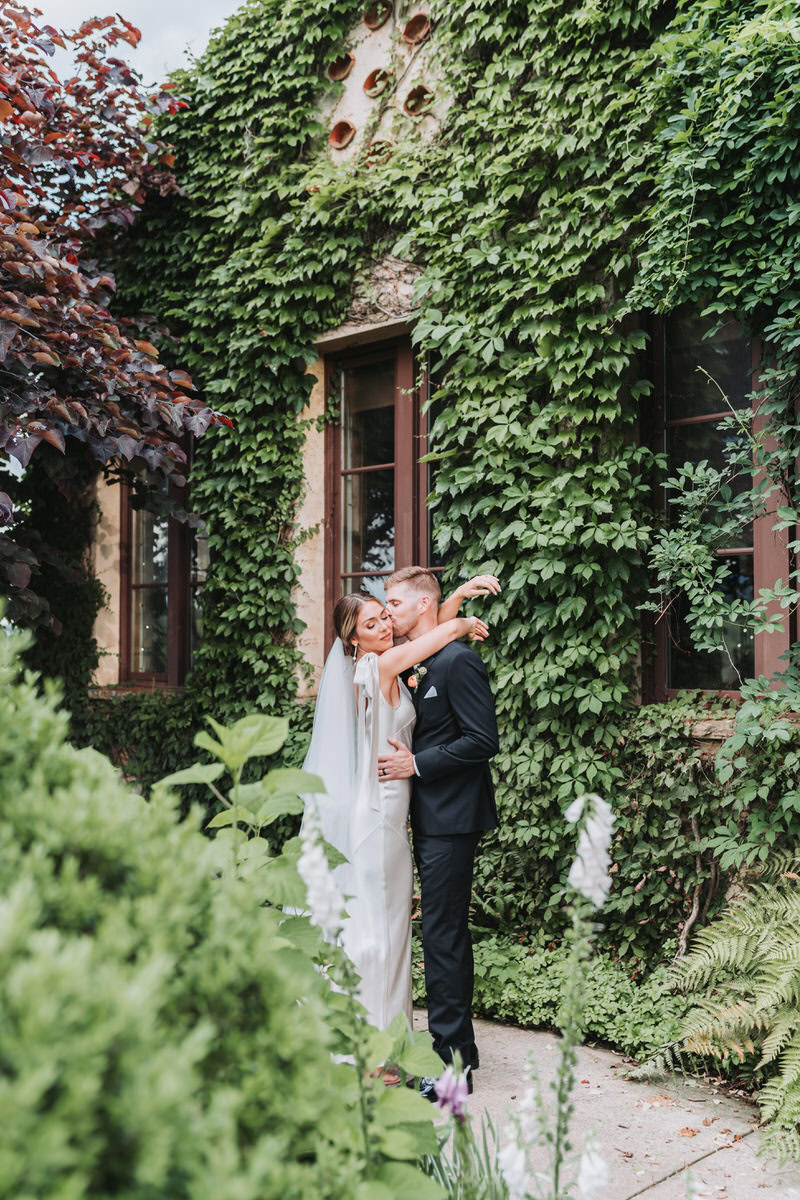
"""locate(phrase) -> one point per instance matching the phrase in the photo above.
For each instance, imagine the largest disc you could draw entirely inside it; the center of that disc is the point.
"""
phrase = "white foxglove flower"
(325, 902)
(589, 872)
(514, 1167)
(575, 810)
(592, 1173)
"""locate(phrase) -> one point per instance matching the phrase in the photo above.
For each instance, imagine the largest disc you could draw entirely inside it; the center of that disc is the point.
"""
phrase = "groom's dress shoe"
(427, 1087)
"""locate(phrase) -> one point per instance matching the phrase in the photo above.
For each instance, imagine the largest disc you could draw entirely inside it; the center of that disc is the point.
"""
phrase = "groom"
(452, 804)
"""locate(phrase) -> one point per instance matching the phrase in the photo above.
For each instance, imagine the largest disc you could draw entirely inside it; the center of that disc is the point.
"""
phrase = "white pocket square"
(431, 692)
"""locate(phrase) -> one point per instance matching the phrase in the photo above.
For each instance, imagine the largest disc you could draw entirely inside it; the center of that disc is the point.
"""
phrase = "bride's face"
(374, 632)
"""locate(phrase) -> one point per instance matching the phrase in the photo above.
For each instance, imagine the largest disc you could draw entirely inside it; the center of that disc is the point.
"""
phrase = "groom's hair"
(419, 579)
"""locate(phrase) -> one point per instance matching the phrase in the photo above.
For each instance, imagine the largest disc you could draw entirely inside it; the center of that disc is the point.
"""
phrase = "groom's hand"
(399, 765)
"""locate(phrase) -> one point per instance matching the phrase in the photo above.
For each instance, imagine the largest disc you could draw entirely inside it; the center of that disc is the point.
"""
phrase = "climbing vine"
(550, 215)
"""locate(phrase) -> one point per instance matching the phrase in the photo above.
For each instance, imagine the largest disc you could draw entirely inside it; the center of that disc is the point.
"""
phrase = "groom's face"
(405, 608)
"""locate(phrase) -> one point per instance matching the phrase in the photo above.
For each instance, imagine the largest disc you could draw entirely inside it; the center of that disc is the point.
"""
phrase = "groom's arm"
(472, 703)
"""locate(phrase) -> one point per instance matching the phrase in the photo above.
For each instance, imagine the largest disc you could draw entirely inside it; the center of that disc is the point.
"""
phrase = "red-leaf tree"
(76, 161)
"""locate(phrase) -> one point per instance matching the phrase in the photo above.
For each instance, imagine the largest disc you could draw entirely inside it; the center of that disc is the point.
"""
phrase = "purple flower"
(452, 1091)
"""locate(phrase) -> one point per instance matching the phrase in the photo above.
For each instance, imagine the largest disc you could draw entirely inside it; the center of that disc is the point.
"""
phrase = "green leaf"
(282, 885)
(199, 773)
(254, 736)
(420, 1059)
(408, 1183)
(378, 1050)
(372, 1190)
(335, 857)
(403, 1106)
(403, 1144)
(290, 781)
(220, 820)
(302, 934)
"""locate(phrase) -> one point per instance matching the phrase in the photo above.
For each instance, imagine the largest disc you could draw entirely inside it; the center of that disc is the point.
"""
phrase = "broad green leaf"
(372, 1190)
(254, 736)
(281, 805)
(420, 1059)
(221, 820)
(282, 885)
(403, 1106)
(199, 773)
(402, 1144)
(291, 781)
(409, 1183)
(243, 817)
(378, 1049)
(302, 934)
(260, 735)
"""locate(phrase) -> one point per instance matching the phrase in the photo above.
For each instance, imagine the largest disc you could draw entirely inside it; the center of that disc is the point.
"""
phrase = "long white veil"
(332, 754)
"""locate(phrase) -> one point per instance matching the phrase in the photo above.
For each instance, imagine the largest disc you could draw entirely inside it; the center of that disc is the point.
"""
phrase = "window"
(377, 519)
(690, 406)
(163, 571)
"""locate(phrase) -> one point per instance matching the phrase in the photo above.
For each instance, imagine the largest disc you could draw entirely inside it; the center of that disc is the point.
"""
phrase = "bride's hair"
(345, 618)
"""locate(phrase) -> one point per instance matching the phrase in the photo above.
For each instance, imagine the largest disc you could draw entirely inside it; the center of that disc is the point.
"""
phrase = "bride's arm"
(479, 585)
(393, 662)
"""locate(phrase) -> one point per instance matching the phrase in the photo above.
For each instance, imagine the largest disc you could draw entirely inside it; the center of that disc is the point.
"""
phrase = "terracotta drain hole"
(418, 100)
(341, 135)
(377, 81)
(341, 67)
(378, 14)
(417, 29)
(379, 151)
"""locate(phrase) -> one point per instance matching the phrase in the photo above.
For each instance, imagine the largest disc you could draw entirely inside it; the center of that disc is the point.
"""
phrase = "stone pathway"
(649, 1133)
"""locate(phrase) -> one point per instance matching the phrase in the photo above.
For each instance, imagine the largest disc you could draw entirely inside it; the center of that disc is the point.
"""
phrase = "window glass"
(689, 352)
(368, 521)
(689, 668)
(198, 582)
(368, 415)
(691, 435)
(378, 486)
(149, 593)
(367, 474)
(700, 441)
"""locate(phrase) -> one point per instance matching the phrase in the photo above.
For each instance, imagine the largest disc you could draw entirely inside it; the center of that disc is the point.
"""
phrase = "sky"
(169, 27)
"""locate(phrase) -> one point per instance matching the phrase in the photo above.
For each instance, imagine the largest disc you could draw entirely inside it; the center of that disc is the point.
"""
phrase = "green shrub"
(152, 1038)
(525, 985)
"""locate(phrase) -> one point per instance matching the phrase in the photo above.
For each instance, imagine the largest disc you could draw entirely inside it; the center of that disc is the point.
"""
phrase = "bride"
(361, 704)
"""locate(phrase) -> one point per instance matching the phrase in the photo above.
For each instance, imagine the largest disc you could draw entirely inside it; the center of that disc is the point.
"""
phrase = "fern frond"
(748, 963)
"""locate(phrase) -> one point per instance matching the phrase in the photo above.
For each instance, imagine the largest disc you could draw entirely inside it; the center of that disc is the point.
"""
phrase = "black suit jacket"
(454, 738)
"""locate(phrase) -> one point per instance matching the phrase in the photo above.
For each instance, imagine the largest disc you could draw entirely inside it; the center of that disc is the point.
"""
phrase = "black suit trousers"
(445, 866)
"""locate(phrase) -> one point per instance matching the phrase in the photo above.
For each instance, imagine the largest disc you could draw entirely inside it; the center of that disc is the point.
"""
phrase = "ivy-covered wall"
(595, 166)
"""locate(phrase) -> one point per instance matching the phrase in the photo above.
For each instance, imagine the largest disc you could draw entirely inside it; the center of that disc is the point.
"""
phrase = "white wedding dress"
(367, 821)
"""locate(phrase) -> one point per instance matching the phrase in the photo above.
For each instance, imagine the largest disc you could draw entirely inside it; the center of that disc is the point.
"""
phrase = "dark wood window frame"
(411, 477)
(179, 602)
(770, 553)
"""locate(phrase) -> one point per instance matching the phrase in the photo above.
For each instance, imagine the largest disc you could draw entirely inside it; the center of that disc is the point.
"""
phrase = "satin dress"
(377, 932)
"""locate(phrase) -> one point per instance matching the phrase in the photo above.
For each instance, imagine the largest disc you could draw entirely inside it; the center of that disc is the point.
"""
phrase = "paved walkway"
(649, 1133)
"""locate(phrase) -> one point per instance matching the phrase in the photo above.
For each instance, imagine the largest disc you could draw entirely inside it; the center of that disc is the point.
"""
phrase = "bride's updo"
(345, 618)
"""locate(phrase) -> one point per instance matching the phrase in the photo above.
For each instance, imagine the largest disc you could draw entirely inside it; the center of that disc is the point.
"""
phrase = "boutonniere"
(416, 676)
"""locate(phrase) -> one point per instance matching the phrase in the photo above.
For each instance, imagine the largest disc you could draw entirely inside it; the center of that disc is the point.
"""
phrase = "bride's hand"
(475, 630)
(479, 585)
